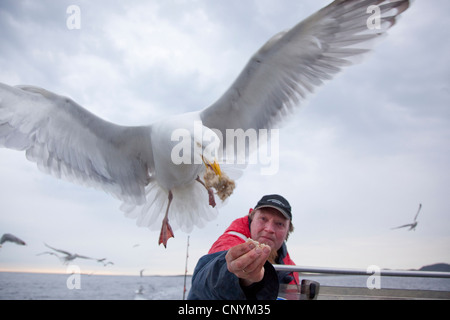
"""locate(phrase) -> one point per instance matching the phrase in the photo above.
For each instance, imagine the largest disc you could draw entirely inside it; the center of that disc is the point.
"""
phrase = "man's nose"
(269, 227)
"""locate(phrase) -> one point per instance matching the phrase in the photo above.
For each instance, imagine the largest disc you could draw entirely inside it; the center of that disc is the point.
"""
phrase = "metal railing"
(362, 272)
(343, 292)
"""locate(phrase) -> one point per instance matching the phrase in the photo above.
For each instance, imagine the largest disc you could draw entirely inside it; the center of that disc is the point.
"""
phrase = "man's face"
(270, 227)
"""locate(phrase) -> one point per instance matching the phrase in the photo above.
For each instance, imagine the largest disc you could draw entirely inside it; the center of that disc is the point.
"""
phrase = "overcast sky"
(355, 160)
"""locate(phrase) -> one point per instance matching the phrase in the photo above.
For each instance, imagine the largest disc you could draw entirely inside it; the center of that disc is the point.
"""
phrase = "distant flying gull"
(70, 256)
(141, 165)
(412, 226)
(105, 263)
(7, 237)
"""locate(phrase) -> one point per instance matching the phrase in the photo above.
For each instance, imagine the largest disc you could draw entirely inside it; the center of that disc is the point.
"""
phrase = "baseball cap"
(277, 202)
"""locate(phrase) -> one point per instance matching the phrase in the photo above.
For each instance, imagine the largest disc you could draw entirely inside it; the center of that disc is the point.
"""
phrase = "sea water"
(38, 286)
(34, 286)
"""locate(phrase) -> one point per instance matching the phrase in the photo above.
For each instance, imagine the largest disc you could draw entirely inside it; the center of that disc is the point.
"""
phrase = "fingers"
(239, 250)
(257, 260)
(247, 261)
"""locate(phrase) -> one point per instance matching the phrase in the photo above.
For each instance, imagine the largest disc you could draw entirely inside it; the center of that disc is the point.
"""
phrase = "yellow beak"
(214, 166)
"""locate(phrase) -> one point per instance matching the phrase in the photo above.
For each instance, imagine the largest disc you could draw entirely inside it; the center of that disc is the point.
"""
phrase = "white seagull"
(69, 256)
(7, 237)
(412, 226)
(137, 164)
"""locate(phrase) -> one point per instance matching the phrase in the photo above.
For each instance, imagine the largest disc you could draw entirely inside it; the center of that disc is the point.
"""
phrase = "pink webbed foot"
(166, 229)
(166, 233)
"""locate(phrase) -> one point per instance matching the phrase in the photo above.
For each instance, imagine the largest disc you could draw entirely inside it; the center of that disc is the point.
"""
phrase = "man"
(238, 269)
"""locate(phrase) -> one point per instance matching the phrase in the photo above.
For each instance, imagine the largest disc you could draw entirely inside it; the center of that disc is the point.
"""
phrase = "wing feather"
(294, 63)
(418, 211)
(403, 226)
(58, 250)
(69, 142)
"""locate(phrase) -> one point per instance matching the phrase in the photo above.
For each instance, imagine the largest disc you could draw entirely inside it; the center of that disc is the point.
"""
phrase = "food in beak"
(215, 178)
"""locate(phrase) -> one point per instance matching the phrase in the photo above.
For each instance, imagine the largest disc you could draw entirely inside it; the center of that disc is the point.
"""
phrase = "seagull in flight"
(142, 165)
(7, 237)
(73, 257)
(412, 226)
(105, 263)
(68, 257)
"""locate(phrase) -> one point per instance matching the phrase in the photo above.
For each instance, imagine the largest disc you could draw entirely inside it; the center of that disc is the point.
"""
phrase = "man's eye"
(282, 225)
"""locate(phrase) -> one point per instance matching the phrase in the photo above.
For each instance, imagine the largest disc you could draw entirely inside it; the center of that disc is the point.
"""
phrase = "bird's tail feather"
(189, 207)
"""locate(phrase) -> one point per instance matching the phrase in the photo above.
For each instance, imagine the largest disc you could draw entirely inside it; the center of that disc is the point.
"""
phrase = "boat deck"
(348, 293)
(313, 290)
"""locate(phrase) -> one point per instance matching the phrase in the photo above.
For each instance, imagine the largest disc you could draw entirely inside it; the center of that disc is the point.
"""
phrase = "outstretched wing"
(7, 237)
(404, 226)
(58, 250)
(84, 257)
(69, 142)
(293, 63)
(48, 252)
(418, 211)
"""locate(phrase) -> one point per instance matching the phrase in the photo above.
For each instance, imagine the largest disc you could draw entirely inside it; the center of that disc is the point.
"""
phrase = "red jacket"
(242, 226)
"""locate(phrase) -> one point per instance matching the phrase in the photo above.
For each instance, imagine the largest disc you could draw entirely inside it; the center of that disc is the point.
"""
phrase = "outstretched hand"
(247, 261)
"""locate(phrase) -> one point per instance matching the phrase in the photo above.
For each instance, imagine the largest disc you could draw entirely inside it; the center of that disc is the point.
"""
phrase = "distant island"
(437, 267)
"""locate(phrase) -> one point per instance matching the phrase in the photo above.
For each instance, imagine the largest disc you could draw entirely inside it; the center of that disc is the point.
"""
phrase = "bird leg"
(166, 229)
(212, 200)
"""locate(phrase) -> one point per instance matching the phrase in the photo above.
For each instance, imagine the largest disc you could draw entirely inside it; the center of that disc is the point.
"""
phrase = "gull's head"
(207, 149)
